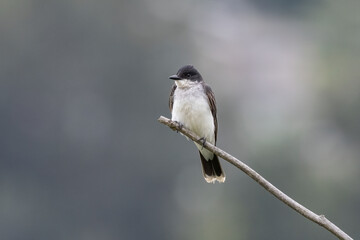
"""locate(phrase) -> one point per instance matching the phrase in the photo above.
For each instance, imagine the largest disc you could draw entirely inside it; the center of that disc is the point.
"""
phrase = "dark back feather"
(212, 103)
(171, 98)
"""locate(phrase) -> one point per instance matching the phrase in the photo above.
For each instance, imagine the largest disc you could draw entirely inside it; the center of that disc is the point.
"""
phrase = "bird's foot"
(203, 141)
(177, 127)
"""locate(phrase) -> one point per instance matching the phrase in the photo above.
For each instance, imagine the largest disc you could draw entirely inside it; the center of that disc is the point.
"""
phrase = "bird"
(192, 104)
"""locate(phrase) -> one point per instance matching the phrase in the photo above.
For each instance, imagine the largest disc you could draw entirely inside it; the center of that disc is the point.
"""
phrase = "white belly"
(191, 108)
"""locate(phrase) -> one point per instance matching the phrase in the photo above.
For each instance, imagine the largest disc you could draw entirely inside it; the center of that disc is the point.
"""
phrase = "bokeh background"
(82, 84)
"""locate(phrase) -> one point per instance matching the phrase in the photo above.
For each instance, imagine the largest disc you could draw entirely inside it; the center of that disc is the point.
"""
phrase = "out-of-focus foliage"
(83, 82)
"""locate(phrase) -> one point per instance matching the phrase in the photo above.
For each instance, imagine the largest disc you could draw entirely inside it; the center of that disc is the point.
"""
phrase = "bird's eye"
(188, 75)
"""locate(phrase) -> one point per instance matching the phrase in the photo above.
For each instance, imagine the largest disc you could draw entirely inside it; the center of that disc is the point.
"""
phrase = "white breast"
(191, 108)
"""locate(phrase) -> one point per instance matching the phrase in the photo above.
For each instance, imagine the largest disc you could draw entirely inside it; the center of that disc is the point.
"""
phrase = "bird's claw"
(203, 141)
(179, 126)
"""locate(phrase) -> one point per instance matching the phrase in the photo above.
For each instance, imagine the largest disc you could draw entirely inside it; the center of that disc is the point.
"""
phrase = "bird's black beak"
(174, 77)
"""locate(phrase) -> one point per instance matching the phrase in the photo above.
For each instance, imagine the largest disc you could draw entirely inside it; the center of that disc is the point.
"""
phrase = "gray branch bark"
(319, 219)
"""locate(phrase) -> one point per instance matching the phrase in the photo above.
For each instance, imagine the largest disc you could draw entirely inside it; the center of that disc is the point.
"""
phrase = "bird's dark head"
(187, 72)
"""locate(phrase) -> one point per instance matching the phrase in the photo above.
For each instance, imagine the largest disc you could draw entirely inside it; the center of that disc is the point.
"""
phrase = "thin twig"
(319, 219)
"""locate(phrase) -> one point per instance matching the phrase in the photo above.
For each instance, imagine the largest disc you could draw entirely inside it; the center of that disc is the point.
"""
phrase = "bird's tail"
(212, 169)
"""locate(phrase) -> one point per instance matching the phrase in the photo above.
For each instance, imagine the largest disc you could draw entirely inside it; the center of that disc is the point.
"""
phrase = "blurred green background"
(82, 84)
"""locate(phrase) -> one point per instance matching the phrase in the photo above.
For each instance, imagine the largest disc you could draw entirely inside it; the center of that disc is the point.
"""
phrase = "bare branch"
(319, 219)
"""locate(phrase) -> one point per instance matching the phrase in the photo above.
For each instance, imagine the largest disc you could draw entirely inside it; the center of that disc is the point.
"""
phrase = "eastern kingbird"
(192, 104)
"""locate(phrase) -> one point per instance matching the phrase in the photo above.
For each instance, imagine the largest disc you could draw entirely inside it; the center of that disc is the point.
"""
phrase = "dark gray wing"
(171, 98)
(212, 103)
